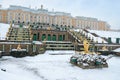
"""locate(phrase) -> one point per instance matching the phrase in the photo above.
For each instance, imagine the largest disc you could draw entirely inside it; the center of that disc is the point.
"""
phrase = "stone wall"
(40, 32)
(31, 48)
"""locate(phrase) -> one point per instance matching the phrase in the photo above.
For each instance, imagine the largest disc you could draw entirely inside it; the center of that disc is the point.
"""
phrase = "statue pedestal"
(19, 52)
(88, 61)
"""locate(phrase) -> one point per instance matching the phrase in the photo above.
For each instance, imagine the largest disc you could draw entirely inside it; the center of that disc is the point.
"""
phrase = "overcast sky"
(106, 10)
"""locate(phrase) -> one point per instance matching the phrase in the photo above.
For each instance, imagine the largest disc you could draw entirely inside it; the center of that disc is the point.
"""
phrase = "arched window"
(34, 37)
(60, 38)
(54, 37)
(43, 37)
(49, 37)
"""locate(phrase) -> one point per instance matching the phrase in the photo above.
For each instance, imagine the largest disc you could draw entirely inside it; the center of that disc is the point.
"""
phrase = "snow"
(15, 43)
(117, 50)
(54, 67)
(112, 34)
(3, 30)
(37, 42)
(58, 41)
(99, 39)
(19, 50)
(59, 52)
(18, 26)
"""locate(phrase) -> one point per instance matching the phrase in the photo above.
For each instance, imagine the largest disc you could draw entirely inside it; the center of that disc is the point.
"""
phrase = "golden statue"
(104, 48)
(19, 47)
(10, 24)
(49, 28)
(86, 46)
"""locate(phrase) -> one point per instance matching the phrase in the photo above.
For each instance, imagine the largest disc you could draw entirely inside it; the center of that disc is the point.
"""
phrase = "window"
(49, 37)
(54, 37)
(43, 37)
(63, 37)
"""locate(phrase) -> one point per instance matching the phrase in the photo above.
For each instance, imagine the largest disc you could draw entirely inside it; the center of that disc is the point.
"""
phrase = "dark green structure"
(117, 40)
(109, 40)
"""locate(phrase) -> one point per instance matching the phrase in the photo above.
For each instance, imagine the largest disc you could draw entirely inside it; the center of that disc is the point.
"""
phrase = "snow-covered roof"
(86, 18)
(13, 7)
(38, 11)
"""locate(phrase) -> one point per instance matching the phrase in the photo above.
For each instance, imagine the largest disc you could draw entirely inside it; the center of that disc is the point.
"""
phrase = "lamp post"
(27, 48)
(0, 36)
(93, 50)
(34, 47)
(75, 45)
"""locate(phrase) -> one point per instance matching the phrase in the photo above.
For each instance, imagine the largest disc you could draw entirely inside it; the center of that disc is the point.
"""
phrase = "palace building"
(19, 14)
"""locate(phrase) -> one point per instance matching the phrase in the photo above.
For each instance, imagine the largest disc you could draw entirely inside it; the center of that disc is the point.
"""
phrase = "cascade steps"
(59, 45)
(80, 36)
(18, 34)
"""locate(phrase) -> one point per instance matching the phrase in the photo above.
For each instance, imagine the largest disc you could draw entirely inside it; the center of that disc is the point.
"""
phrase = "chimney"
(41, 6)
(30, 6)
(53, 10)
(35, 7)
(0, 6)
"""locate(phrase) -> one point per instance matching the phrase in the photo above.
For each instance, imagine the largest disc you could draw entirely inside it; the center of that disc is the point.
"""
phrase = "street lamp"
(75, 45)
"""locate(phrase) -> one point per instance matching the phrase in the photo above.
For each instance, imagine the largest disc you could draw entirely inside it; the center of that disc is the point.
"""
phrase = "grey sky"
(106, 10)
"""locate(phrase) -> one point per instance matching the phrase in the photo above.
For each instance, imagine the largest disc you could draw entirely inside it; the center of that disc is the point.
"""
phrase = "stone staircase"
(94, 34)
(59, 45)
(80, 36)
(16, 33)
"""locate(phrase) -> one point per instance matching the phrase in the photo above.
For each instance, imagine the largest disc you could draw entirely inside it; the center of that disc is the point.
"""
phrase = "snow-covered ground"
(54, 67)
(59, 52)
(112, 34)
(3, 30)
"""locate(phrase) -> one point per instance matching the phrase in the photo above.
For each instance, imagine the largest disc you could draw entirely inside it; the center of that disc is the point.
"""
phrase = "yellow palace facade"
(19, 14)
